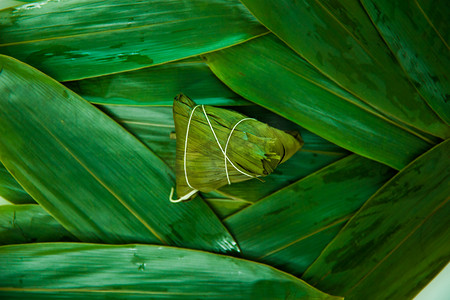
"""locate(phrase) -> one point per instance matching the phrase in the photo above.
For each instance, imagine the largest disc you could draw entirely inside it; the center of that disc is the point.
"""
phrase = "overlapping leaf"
(76, 39)
(281, 228)
(99, 182)
(339, 39)
(418, 44)
(11, 190)
(158, 86)
(270, 74)
(139, 272)
(392, 229)
(29, 223)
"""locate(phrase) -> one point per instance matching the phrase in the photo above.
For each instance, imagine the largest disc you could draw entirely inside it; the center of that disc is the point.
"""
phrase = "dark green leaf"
(77, 39)
(29, 224)
(397, 241)
(11, 190)
(338, 38)
(158, 86)
(303, 95)
(94, 177)
(299, 216)
(89, 271)
(418, 46)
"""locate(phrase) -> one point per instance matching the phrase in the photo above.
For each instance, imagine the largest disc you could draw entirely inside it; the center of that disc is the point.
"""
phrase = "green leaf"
(223, 207)
(303, 212)
(71, 40)
(418, 45)
(158, 86)
(11, 190)
(153, 125)
(94, 177)
(338, 38)
(399, 233)
(10, 3)
(139, 272)
(301, 94)
(29, 223)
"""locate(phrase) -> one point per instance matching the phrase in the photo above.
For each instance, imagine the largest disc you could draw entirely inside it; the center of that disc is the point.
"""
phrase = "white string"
(185, 147)
(224, 152)
(226, 148)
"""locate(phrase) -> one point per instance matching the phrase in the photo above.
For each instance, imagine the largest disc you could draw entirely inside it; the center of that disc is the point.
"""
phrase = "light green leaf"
(301, 214)
(94, 177)
(418, 45)
(301, 94)
(76, 39)
(158, 86)
(339, 39)
(397, 241)
(10, 3)
(30, 223)
(139, 272)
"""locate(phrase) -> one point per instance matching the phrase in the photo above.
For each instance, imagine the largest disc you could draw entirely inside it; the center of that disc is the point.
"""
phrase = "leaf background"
(369, 98)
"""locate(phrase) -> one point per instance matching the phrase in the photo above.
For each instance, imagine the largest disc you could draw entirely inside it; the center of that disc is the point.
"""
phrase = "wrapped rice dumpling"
(216, 147)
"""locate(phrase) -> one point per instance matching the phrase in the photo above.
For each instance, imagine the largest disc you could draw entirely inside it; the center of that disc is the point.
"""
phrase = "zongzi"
(216, 146)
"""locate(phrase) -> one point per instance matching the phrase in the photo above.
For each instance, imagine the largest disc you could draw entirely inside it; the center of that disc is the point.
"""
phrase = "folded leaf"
(30, 223)
(216, 147)
(139, 272)
(392, 230)
(94, 177)
(267, 72)
(157, 86)
(418, 45)
(339, 39)
(295, 215)
(11, 190)
(76, 39)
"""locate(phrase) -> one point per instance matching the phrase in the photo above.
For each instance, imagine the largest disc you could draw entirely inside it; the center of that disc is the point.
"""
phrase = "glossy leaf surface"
(339, 39)
(76, 39)
(29, 223)
(95, 167)
(158, 86)
(301, 94)
(306, 209)
(385, 228)
(139, 272)
(418, 45)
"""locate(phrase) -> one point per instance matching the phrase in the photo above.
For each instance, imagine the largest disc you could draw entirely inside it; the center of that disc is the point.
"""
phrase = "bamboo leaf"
(158, 86)
(139, 272)
(392, 229)
(419, 47)
(11, 190)
(301, 94)
(303, 214)
(338, 38)
(223, 207)
(95, 178)
(29, 223)
(11, 3)
(77, 39)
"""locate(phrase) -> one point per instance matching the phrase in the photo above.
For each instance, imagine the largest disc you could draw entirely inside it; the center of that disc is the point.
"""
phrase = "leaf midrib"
(121, 201)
